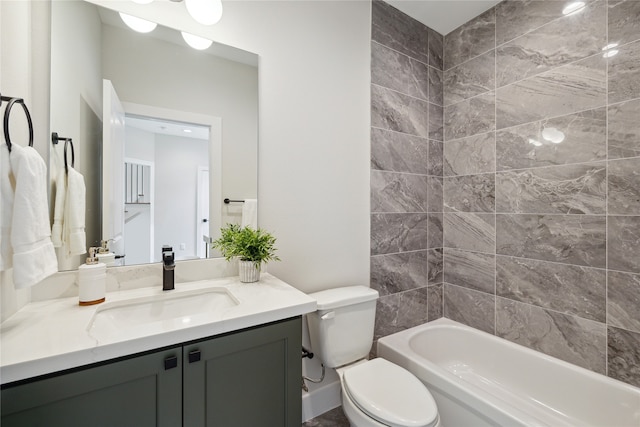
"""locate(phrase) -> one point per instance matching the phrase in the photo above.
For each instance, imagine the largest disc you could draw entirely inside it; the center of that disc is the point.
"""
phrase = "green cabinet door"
(248, 379)
(143, 391)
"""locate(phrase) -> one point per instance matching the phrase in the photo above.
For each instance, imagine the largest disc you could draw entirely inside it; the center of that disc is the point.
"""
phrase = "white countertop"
(50, 336)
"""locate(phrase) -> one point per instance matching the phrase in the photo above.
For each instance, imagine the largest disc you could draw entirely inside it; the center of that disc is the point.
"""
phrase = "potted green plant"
(251, 246)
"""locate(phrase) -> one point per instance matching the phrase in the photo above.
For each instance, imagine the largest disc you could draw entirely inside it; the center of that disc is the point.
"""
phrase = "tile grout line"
(406, 54)
(495, 174)
(606, 202)
(426, 101)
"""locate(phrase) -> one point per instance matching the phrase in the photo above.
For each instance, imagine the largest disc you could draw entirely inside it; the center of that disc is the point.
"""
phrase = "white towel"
(33, 255)
(74, 214)
(7, 188)
(250, 213)
(58, 211)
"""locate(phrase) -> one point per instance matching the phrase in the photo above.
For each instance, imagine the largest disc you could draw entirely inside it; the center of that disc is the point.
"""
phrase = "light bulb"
(196, 42)
(138, 24)
(206, 12)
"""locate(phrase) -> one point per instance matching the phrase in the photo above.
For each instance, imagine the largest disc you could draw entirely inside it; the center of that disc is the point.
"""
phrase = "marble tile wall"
(406, 170)
(541, 180)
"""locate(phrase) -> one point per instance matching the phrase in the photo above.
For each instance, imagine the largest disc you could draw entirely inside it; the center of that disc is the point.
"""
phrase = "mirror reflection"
(162, 133)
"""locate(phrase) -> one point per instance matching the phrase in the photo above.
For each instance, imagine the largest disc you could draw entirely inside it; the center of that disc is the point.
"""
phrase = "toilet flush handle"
(329, 315)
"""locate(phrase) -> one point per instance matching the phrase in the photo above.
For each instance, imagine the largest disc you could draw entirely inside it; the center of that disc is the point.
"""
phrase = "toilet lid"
(390, 394)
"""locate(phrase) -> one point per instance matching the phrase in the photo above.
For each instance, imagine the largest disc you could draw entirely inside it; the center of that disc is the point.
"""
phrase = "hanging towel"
(7, 186)
(74, 214)
(250, 213)
(33, 255)
(58, 211)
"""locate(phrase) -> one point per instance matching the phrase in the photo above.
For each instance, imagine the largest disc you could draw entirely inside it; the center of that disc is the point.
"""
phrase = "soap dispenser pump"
(92, 280)
(105, 255)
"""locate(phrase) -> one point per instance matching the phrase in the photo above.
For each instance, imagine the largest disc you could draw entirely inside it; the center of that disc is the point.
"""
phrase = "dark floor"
(333, 418)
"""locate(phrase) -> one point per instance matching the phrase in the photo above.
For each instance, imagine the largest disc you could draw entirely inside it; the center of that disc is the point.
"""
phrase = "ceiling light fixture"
(187, 130)
(206, 12)
(196, 42)
(142, 1)
(573, 7)
(138, 24)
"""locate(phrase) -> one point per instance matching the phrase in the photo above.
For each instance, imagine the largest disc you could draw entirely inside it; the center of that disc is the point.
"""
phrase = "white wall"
(177, 160)
(139, 144)
(314, 127)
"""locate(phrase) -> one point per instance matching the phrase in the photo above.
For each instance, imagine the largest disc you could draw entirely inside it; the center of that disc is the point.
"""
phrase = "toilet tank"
(341, 330)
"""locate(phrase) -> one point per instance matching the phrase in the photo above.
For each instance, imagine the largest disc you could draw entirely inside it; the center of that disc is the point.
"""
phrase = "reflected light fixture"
(573, 7)
(609, 50)
(553, 135)
(196, 42)
(138, 24)
(610, 53)
(205, 12)
(535, 142)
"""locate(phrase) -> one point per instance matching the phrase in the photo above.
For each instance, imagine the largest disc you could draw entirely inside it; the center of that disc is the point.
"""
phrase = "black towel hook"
(55, 139)
(68, 141)
(7, 113)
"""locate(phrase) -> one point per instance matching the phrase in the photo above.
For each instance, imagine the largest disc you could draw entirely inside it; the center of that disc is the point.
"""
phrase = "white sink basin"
(172, 310)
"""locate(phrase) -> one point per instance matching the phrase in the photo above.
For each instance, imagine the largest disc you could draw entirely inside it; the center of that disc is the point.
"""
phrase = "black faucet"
(168, 268)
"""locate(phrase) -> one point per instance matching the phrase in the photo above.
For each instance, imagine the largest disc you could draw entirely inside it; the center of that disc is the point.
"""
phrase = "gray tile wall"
(542, 238)
(406, 170)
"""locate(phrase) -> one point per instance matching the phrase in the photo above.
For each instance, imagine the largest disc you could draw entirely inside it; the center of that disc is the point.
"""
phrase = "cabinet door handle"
(194, 356)
(170, 362)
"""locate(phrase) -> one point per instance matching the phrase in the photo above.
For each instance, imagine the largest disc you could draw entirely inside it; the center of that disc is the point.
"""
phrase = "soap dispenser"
(92, 280)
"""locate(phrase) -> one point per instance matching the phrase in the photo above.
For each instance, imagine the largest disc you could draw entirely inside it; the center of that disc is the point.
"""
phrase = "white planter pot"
(249, 271)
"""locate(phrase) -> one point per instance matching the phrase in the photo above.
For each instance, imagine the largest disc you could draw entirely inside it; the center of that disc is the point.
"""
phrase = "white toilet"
(374, 392)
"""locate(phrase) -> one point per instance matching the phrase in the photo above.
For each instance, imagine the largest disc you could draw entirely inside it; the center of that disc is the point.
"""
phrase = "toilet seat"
(390, 394)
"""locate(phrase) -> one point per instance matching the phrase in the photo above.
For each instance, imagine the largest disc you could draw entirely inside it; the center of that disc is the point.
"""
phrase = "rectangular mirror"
(162, 133)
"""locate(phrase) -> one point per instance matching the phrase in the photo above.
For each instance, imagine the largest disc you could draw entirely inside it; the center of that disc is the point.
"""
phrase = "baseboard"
(320, 400)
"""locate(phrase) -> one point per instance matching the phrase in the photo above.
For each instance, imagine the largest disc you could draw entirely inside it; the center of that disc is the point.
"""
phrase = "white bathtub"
(478, 380)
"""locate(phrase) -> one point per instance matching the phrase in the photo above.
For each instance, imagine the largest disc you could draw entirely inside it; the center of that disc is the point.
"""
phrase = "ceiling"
(166, 127)
(443, 16)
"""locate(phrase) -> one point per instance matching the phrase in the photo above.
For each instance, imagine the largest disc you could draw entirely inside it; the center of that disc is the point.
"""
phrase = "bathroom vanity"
(188, 358)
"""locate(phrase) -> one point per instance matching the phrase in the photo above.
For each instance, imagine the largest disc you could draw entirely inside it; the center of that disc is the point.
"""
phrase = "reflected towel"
(250, 213)
(74, 214)
(58, 211)
(33, 255)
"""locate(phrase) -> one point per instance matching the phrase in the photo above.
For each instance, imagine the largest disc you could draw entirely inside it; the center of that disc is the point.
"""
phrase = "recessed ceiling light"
(610, 53)
(138, 24)
(187, 130)
(573, 7)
